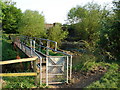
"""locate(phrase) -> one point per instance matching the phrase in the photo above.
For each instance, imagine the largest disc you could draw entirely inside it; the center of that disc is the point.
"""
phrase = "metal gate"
(56, 69)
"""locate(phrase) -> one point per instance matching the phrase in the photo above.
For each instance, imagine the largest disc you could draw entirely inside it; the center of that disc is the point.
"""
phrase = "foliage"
(110, 79)
(85, 62)
(2, 6)
(32, 24)
(51, 53)
(7, 53)
(19, 82)
(86, 24)
(56, 33)
(11, 15)
(110, 35)
(86, 21)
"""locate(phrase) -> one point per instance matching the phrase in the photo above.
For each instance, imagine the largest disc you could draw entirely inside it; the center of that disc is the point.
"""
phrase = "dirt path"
(82, 79)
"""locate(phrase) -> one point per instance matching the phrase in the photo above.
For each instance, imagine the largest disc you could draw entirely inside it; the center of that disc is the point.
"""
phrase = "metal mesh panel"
(57, 69)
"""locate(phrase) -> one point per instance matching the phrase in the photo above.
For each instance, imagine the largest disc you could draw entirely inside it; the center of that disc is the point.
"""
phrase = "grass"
(8, 51)
(111, 79)
(19, 82)
(51, 53)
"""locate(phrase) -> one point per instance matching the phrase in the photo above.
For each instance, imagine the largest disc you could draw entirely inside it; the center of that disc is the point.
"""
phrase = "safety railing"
(42, 48)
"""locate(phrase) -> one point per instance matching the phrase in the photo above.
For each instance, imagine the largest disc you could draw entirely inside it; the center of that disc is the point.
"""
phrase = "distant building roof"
(47, 26)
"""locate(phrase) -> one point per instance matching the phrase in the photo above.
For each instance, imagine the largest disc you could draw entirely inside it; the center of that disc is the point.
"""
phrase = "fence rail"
(18, 74)
(17, 60)
(35, 73)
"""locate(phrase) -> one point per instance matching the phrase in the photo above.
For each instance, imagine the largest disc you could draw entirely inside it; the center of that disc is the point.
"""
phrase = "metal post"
(34, 45)
(40, 71)
(20, 44)
(55, 46)
(25, 46)
(67, 69)
(31, 47)
(40, 46)
(47, 71)
(70, 67)
(48, 45)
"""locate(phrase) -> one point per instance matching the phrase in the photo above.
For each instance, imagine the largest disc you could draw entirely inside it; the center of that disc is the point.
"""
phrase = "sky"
(54, 10)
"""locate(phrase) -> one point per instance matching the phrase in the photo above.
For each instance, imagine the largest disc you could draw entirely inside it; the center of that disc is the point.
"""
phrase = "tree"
(11, 16)
(86, 22)
(56, 33)
(32, 24)
(110, 37)
(2, 6)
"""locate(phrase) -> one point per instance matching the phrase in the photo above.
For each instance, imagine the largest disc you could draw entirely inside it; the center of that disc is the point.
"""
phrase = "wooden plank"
(18, 74)
(17, 61)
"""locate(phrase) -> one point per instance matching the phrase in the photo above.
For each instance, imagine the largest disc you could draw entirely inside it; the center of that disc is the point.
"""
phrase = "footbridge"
(53, 66)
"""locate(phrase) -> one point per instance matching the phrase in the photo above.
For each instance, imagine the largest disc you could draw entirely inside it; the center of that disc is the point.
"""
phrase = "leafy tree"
(32, 24)
(2, 6)
(56, 33)
(110, 37)
(86, 22)
(11, 16)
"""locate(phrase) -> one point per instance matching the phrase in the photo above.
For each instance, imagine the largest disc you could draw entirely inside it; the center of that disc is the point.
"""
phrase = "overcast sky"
(54, 10)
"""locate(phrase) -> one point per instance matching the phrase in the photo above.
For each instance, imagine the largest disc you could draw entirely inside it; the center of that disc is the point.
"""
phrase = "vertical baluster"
(48, 45)
(55, 46)
(40, 71)
(70, 67)
(34, 45)
(40, 44)
(31, 47)
(47, 71)
(67, 69)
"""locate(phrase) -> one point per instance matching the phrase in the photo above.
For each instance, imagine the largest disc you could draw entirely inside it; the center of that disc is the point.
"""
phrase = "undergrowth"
(111, 79)
(21, 82)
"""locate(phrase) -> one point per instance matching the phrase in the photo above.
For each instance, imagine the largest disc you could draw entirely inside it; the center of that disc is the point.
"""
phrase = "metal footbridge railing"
(53, 66)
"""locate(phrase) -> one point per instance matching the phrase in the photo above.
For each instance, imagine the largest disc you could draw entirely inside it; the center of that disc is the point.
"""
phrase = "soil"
(83, 79)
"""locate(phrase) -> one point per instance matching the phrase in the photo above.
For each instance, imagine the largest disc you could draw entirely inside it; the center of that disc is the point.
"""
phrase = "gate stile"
(64, 64)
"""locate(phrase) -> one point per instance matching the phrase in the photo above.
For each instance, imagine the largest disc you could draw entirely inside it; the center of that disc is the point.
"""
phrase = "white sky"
(54, 10)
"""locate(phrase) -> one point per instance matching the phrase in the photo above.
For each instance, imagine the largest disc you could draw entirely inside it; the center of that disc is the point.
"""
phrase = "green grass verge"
(111, 79)
(19, 82)
(8, 51)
